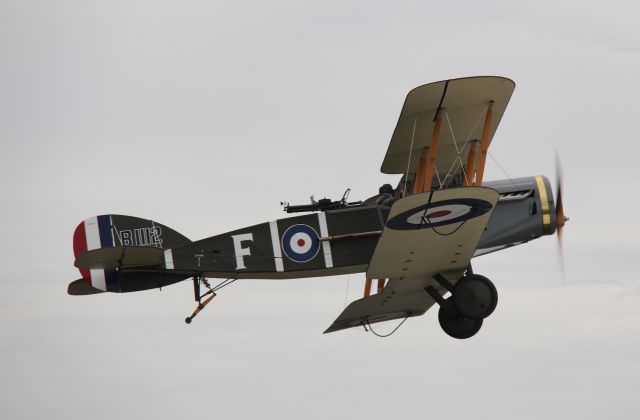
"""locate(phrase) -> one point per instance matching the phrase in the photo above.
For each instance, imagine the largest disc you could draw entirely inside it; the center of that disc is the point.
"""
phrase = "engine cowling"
(525, 211)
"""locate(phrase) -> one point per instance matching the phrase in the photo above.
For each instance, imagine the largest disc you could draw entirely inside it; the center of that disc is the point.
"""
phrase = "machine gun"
(323, 204)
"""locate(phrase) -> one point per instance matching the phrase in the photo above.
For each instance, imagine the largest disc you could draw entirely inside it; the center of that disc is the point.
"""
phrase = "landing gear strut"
(473, 298)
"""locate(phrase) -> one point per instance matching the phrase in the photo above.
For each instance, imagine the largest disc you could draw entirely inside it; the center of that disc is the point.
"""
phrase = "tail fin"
(102, 243)
(115, 230)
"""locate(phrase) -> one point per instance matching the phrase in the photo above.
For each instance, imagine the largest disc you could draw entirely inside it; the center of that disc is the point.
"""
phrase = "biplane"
(415, 240)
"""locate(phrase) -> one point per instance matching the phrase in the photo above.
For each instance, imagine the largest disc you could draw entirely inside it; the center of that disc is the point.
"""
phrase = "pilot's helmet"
(386, 189)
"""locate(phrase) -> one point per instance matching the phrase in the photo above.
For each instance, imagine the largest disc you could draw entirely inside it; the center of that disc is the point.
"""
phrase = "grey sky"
(205, 115)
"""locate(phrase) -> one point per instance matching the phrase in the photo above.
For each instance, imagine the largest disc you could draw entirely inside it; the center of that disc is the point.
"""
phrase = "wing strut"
(424, 174)
(484, 145)
(367, 287)
(470, 168)
(368, 284)
(419, 179)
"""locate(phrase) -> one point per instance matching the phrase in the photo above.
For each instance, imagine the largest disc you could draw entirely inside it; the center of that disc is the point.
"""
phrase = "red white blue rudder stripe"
(94, 233)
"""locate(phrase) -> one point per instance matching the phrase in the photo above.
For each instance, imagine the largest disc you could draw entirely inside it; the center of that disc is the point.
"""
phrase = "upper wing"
(465, 103)
(425, 234)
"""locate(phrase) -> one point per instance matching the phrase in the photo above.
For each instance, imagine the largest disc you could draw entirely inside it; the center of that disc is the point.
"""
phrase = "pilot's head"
(386, 189)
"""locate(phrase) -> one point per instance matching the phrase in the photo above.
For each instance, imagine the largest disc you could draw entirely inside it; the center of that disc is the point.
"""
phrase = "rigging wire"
(222, 284)
(502, 169)
(346, 294)
(459, 151)
(406, 177)
(438, 176)
(426, 219)
(382, 335)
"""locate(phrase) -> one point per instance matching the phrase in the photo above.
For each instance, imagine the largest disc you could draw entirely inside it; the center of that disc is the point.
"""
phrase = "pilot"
(385, 196)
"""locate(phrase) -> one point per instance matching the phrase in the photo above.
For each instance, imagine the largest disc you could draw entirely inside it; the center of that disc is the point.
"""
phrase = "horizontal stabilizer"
(82, 288)
(120, 257)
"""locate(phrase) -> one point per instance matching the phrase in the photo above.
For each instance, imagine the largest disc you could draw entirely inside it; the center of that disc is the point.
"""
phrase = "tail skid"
(211, 293)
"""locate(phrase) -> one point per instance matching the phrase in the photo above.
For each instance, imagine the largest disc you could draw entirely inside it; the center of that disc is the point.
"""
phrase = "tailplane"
(117, 253)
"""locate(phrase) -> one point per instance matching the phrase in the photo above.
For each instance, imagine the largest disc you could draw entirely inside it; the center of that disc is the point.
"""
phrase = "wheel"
(475, 297)
(456, 325)
(188, 320)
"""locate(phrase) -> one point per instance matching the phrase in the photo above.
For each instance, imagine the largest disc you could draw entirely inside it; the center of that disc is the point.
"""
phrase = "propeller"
(561, 219)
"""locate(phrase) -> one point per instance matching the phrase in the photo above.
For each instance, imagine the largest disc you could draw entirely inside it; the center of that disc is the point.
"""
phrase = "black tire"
(456, 325)
(475, 297)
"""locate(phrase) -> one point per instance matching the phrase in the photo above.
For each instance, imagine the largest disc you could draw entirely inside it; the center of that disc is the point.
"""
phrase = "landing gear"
(473, 298)
(455, 324)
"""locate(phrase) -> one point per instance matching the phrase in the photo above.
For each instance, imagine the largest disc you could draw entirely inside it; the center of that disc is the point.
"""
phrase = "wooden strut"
(470, 168)
(199, 308)
(426, 168)
(484, 144)
(419, 179)
(368, 283)
(198, 297)
(367, 287)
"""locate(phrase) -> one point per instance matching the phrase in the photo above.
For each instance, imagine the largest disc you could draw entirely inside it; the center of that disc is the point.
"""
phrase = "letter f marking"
(239, 250)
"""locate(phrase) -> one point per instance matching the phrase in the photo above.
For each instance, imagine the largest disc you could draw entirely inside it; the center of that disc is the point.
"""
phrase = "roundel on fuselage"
(300, 243)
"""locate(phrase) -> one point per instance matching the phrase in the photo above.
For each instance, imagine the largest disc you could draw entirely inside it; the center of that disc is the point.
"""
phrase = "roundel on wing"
(300, 243)
(440, 213)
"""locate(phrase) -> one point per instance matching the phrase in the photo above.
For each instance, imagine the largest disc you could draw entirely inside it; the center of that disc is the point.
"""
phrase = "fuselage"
(342, 241)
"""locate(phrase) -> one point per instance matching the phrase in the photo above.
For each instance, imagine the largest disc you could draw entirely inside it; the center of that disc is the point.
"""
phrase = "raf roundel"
(441, 213)
(300, 243)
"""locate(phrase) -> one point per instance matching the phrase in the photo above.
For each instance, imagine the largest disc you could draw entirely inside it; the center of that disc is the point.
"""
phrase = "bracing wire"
(459, 150)
(424, 219)
(382, 335)
(346, 294)
(502, 169)
(406, 177)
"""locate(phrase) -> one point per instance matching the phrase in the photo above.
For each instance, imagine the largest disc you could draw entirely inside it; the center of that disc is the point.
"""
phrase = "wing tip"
(81, 288)
(331, 329)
